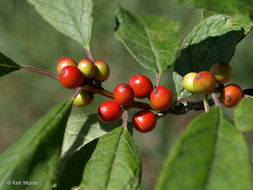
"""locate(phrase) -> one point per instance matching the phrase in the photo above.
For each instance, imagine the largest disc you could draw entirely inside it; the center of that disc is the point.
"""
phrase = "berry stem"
(125, 118)
(41, 71)
(215, 99)
(158, 78)
(89, 54)
(206, 105)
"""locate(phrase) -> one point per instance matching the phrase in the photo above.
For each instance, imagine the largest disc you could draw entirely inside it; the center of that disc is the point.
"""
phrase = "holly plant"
(97, 151)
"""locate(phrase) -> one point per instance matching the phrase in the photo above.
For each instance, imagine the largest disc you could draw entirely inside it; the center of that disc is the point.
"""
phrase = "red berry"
(71, 77)
(231, 95)
(161, 98)
(204, 82)
(144, 121)
(64, 62)
(141, 85)
(123, 94)
(109, 111)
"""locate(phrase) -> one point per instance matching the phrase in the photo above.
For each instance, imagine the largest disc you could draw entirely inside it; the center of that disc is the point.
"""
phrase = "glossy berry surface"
(71, 77)
(83, 98)
(86, 67)
(102, 71)
(64, 62)
(204, 82)
(109, 111)
(161, 98)
(222, 72)
(144, 121)
(188, 82)
(123, 94)
(231, 95)
(141, 85)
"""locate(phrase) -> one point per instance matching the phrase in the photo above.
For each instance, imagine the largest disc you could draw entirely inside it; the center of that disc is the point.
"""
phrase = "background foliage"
(28, 39)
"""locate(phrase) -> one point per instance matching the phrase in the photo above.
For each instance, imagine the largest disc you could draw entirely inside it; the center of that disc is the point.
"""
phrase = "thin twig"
(77, 91)
(125, 118)
(206, 105)
(41, 71)
(158, 78)
(215, 99)
(89, 54)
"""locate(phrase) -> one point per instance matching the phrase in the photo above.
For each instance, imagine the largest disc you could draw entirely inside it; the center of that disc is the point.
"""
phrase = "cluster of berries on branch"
(205, 82)
(139, 86)
(73, 75)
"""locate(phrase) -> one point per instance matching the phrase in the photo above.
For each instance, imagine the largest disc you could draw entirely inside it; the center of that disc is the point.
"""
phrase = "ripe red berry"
(141, 85)
(144, 121)
(71, 77)
(64, 62)
(221, 71)
(86, 67)
(231, 95)
(204, 82)
(161, 98)
(123, 94)
(109, 111)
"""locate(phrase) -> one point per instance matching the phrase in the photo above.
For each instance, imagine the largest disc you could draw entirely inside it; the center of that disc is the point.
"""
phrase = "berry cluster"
(205, 82)
(73, 75)
(139, 86)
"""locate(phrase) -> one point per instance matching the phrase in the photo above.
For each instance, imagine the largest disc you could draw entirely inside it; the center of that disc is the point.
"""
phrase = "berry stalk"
(41, 71)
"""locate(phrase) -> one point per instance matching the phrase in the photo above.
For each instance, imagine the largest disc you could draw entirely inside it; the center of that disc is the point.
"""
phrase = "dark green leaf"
(7, 65)
(213, 40)
(152, 40)
(72, 18)
(82, 129)
(225, 6)
(243, 115)
(211, 154)
(71, 170)
(36, 156)
(115, 163)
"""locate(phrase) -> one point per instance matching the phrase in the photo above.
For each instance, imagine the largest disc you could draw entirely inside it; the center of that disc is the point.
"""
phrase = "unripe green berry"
(83, 98)
(102, 71)
(86, 67)
(188, 82)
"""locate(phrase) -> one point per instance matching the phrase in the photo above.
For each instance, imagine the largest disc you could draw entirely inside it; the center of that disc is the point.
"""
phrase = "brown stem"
(89, 54)
(125, 118)
(77, 91)
(41, 71)
(137, 104)
(93, 88)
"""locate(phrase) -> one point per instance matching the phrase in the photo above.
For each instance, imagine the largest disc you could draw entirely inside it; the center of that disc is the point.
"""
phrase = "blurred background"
(26, 96)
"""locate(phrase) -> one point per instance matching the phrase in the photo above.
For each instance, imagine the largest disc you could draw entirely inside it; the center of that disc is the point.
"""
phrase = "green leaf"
(243, 115)
(82, 129)
(72, 18)
(152, 40)
(115, 163)
(36, 156)
(7, 65)
(211, 154)
(213, 40)
(227, 6)
(71, 170)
